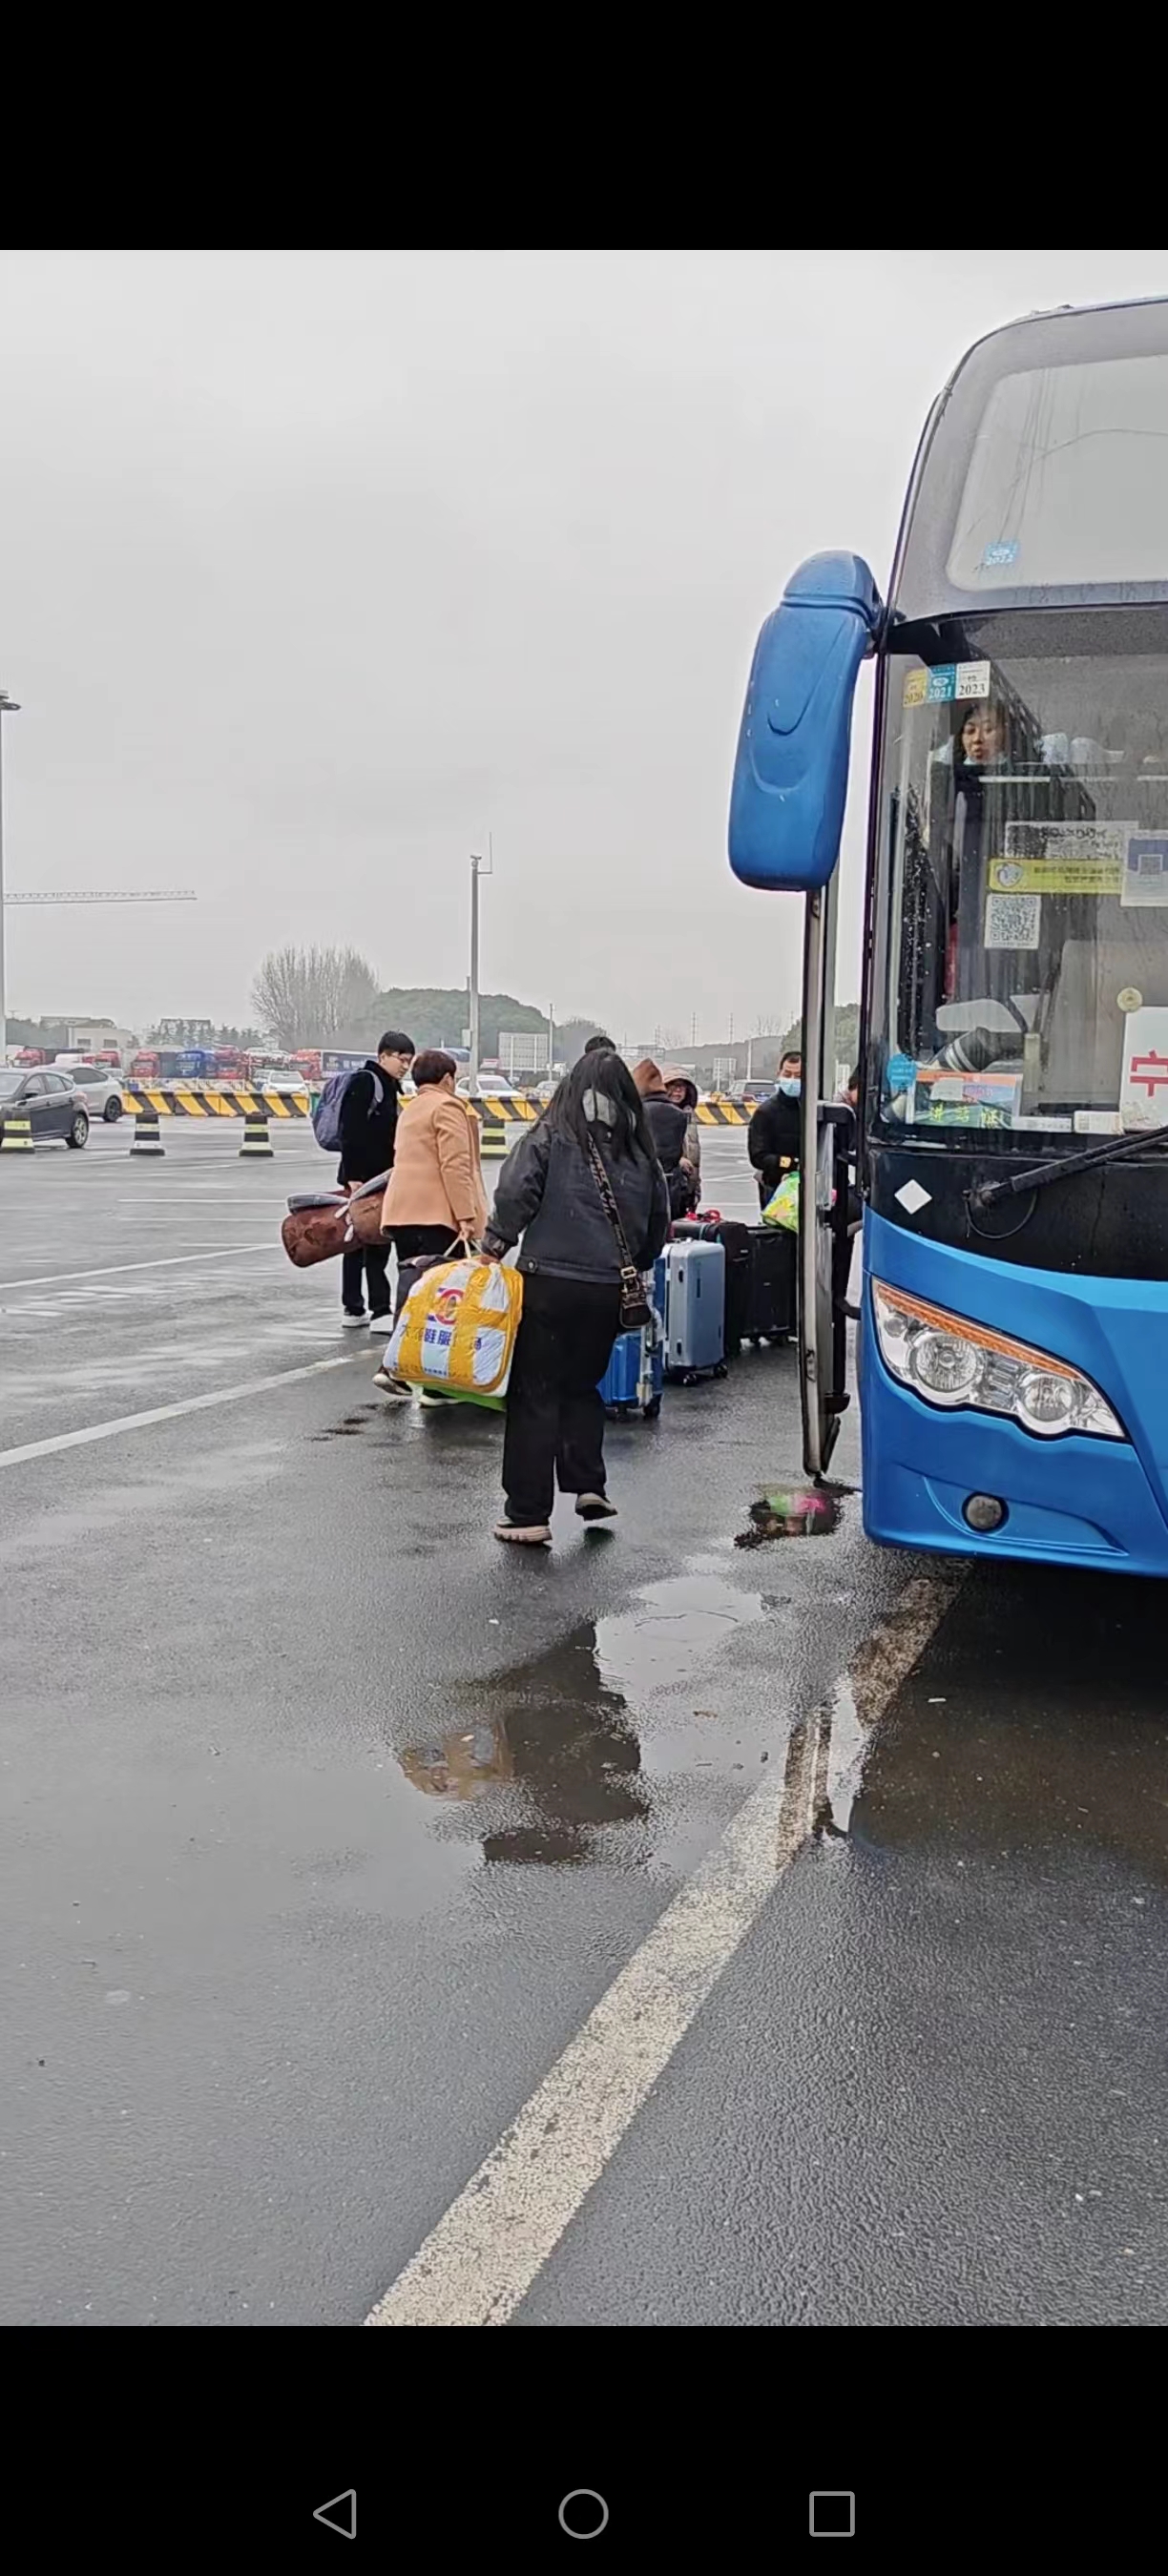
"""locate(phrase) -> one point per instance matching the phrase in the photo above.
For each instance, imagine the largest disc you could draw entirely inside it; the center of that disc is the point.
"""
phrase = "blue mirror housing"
(791, 770)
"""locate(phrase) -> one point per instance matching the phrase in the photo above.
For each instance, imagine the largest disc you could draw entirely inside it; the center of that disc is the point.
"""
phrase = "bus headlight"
(952, 1363)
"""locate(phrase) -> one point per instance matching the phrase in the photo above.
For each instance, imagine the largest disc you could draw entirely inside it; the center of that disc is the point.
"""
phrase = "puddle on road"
(554, 1749)
(548, 1766)
(673, 1625)
(553, 1744)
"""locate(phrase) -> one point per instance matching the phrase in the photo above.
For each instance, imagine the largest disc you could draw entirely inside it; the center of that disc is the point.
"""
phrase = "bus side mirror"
(791, 771)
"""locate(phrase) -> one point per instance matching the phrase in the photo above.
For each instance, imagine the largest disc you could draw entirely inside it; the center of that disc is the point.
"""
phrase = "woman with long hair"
(587, 1195)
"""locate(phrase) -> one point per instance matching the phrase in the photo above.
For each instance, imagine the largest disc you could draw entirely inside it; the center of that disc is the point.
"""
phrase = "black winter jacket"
(546, 1192)
(667, 1126)
(369, 1123)
(773, 1140)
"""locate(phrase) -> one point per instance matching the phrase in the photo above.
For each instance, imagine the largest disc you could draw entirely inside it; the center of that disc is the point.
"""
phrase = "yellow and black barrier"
(17, 1136)
(257, 1145)
(724, 1113)
(146, 1139)
(198, 1100)
(498, 1113)
(498, 1120)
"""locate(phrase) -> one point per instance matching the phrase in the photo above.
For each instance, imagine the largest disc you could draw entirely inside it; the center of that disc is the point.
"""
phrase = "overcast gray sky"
(317, 566)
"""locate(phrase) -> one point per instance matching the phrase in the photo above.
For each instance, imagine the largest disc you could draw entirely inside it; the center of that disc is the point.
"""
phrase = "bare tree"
(316, 997)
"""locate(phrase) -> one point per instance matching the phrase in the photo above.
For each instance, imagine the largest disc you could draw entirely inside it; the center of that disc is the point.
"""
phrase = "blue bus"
(1013, 1333)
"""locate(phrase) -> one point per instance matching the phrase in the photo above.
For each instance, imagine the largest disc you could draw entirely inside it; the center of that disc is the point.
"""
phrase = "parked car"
(100, 1089)
(50, 1101)
(279, 1078)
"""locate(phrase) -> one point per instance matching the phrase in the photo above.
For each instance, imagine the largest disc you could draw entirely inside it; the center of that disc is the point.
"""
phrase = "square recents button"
(833, 2514)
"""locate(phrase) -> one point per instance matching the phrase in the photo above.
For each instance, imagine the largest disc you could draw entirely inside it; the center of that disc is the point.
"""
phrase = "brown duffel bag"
(312, 1234)
(322, 1224)
(364, 1212)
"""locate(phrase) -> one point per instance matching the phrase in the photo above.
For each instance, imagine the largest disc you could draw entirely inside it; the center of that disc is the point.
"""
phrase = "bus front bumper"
(1068, 1501)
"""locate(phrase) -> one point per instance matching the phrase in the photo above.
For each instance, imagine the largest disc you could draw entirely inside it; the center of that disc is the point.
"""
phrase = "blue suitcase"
(695, 1311)
(634, 1378)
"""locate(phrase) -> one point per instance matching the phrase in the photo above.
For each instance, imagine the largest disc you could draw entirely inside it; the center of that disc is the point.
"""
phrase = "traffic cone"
(257, 1145)
(17, 1136)
(146, 1138)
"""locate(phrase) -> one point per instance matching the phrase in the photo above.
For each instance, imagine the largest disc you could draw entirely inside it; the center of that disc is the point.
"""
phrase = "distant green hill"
(434, 1015)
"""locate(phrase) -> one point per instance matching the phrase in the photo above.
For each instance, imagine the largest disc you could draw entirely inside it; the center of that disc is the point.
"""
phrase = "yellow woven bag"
(457, 1330)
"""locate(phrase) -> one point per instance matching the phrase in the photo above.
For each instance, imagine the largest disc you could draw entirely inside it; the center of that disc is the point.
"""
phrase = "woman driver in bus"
(983, 735)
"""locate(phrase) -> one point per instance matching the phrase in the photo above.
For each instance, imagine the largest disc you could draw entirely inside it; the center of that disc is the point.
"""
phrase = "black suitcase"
(770, 1284)
(735, 1242)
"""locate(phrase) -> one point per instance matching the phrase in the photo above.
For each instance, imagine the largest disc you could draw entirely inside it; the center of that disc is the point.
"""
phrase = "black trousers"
(369, 1262)
(555, 1419)
(411, 1242)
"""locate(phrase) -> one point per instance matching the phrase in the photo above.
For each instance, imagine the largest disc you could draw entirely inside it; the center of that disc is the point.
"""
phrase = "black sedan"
(50, 1101)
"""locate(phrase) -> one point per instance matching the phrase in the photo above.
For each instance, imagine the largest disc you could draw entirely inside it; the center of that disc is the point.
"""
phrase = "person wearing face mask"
(773, 1135)
(551, 1200)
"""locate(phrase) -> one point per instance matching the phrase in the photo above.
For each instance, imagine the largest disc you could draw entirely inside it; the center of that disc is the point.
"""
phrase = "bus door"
(823, 1195)
(786, 818)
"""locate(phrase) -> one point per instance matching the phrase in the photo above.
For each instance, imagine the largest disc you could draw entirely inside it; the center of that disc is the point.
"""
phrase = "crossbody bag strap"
(629, 1272)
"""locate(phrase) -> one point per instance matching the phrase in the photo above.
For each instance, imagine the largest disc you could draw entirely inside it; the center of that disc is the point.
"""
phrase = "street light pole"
(479, 867)
(8, 707)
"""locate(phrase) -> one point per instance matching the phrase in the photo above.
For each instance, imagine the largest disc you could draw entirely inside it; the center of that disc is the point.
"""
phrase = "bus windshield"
(1066, 481)
(1025, 814)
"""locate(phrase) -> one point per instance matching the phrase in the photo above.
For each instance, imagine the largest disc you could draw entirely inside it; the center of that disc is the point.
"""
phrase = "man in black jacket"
(368, 1123)
(773, 1138)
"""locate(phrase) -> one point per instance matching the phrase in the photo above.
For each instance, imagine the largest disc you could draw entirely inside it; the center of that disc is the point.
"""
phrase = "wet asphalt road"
(326, 1824)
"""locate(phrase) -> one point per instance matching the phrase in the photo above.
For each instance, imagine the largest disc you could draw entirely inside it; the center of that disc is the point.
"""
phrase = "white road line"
(170, 1412)
(480, 2260)
(169, 1261)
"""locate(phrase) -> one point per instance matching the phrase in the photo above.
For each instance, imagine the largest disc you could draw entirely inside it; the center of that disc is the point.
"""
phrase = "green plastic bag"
(782, 1208)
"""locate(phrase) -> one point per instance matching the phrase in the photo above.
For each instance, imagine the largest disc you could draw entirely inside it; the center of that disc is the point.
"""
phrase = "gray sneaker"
(394, 1386)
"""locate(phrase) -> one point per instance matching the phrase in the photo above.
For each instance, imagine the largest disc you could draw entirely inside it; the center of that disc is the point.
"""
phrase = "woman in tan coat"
(435, 1194)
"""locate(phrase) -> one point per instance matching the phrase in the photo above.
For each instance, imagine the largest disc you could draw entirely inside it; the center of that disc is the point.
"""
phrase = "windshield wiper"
(988, 1194)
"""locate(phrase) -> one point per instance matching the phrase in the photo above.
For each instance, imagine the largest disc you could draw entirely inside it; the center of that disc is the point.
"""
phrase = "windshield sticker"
(1056, 876)
(1063, 858)
(996, 557)
(1011, 920)
(962, 1113)
(1143, 1098)
(1035, 1121)
(1098, 1122)
(901, 1072)
(949, 680)
(946, 1099)
(1068, 840)
(1145, 870)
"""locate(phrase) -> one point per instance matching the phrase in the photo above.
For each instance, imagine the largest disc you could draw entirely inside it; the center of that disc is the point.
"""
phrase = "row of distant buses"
(306, 1069)
(206, 1064)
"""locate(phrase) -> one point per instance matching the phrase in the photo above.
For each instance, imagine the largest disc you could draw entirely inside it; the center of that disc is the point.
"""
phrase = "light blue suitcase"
(695, 1310)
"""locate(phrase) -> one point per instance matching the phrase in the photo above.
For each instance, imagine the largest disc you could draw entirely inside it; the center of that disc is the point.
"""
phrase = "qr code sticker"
(1011, 920)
